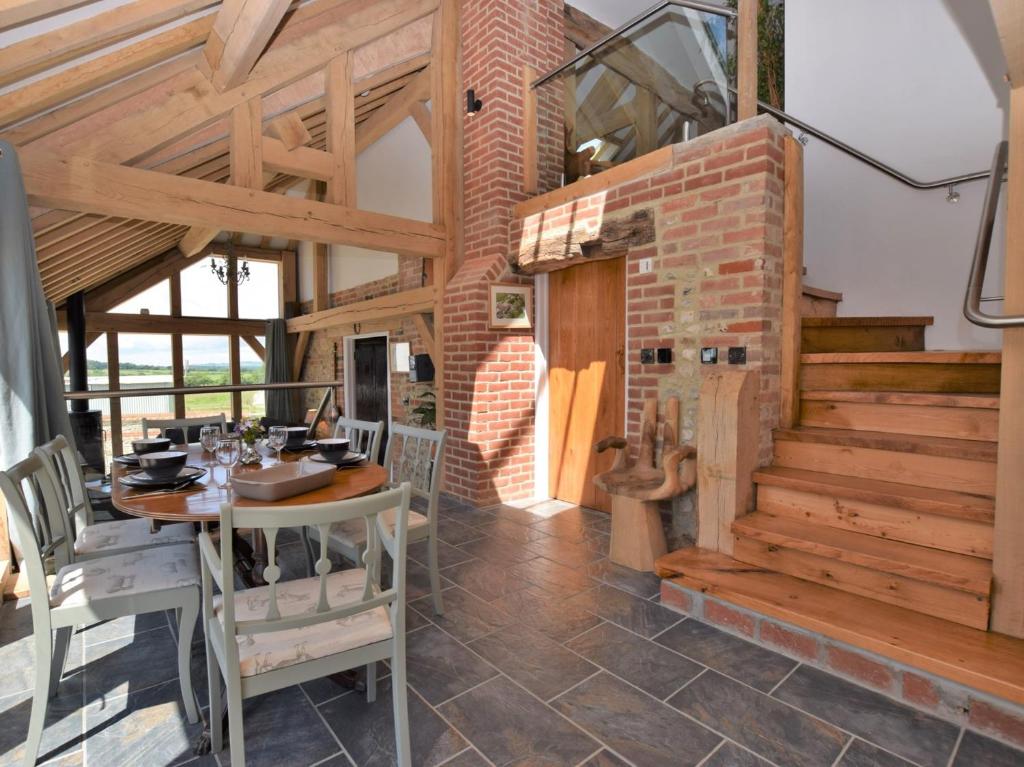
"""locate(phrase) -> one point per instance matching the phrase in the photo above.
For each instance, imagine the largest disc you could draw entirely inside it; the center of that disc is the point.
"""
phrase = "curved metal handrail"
(973, 299)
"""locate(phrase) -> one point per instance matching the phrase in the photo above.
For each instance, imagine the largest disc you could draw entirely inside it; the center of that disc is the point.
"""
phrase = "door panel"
(586, 375)
(370, 382)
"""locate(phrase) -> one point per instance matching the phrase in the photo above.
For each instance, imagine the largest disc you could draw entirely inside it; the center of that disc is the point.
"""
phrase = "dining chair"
(415, 456)
(274, 636)
(74, 516)
(149, 580)
(186, 426)
(365, 436)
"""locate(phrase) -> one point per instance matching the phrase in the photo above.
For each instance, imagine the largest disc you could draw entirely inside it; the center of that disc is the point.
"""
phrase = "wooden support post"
(645, 108)
(727, 446)
(177, 348)
(792, 282)
(341, 131)
(530, 169)
(114, 382)
(288, 284)
(746, 52)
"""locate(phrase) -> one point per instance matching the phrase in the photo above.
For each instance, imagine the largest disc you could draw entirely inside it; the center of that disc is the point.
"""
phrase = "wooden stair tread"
(828, 295)
(985, 401)
(963, 358)
(944, 568)
(926, 500)
(967, 449)
(865, 322)
(985, 661)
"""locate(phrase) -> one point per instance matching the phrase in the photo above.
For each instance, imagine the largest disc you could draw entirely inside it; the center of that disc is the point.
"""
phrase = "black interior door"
(371, 383)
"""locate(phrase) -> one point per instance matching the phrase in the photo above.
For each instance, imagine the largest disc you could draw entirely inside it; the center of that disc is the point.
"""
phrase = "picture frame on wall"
(510, 307)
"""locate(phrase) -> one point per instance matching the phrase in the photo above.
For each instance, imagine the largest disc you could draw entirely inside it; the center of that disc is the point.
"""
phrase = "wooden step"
(935, 415)
(962, 466)
(863, 334)
(991, 663)
(948, 372)
(816, 302)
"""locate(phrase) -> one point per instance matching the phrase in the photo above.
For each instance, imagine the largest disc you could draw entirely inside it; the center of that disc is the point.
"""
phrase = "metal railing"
(979, 265)
(159, 391)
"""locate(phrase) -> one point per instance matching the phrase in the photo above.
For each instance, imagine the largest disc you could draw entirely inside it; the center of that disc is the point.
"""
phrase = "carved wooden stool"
(638, 537)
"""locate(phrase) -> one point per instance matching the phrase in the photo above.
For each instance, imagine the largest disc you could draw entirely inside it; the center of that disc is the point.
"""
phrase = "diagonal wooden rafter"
(14, 13)
(241, 32)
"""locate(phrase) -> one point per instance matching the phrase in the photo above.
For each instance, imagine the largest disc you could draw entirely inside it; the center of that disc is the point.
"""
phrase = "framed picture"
(511, 307)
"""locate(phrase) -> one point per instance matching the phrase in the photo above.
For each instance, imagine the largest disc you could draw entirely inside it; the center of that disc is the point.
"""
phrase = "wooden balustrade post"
(114, 383)
(746, 53)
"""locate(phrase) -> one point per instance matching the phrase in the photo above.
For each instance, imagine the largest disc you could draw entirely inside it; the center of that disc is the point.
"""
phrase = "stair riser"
(897, 376)
(938, 532)
(898, 338)
(924, 420)
(964, 476)
(949, 604)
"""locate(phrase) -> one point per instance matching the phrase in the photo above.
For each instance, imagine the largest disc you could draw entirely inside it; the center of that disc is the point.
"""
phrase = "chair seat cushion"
(259, 653)
(353, 532)
(128, 534)
(134, 573)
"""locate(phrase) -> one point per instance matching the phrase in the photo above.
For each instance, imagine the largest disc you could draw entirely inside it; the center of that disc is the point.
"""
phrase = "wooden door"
(370, 382)
(586, 375)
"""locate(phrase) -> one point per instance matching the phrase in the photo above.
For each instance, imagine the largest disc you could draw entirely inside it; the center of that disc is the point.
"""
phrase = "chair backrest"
(416, 456)
(32, 501)
(61, 460)
(365, 436)
(186, 428)
(268, 521)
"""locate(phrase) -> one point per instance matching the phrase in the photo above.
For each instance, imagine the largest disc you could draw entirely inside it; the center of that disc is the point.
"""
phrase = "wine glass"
(228, 451)
(208, 438)
(277, 438)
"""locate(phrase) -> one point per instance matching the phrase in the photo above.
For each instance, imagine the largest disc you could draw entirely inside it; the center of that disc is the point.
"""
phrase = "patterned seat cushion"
(129, 534)
(132, 573)
(353, 532)
(259, 653)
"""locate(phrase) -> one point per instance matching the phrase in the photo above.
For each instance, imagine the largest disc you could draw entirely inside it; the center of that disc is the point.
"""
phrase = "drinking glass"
(277, 438)
(208, 438)
(228, 452)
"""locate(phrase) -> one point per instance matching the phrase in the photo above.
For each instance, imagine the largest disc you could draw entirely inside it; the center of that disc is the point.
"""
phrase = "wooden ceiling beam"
(115, 190)
(54, 236)
(241, 32)
(50, 49)
(141, 278)
(133, 233)
(388, 117)
(289, 130)
(1009, 17)
(302, 161)
(395, 305)
(14, 13)
(340, 100)
(108, 322)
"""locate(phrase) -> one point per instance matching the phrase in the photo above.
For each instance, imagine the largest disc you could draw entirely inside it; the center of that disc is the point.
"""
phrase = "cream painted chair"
(74, 519)
(152, 580)
(184, 425)
(365, 436)
(274, 636)
(414, 456)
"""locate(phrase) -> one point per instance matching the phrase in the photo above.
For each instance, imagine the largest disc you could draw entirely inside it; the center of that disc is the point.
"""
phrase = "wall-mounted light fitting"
(473, 104)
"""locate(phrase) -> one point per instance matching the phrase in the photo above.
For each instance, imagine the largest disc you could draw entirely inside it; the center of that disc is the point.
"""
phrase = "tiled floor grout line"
(714, 751)
(771, 692)
(588, 757)
(956, 747)
(687, 683)
(572, 687)
(447, 721)
(842, 753)
(330, 729)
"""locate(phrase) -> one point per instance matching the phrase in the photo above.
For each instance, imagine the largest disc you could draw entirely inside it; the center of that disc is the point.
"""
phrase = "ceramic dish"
(282, 481)
(141, 479)
(129, 459)
(304, 447)
(150, 445)
(350, 459)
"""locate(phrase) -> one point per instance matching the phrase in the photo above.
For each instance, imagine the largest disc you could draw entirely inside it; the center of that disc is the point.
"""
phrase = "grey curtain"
(282, 406)
(32, 406)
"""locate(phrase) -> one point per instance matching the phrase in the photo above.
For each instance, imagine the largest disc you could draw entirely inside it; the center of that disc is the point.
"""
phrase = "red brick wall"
(489, 375)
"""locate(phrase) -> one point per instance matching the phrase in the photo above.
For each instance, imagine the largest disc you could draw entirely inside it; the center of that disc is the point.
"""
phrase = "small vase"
(250, 455)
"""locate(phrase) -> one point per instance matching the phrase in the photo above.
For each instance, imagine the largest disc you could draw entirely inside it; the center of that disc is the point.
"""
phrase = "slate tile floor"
(548, 654)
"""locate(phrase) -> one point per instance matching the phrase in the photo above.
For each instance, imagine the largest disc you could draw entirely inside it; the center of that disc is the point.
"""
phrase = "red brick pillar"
(489, 376)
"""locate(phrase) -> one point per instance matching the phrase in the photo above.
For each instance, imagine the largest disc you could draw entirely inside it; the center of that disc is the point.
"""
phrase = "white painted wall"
(917, 85)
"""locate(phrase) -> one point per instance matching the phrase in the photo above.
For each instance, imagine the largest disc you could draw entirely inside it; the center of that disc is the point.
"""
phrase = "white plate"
(350, 459)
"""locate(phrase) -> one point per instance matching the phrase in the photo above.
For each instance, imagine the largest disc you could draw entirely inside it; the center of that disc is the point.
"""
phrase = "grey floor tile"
(605, 758)
(123, 627)
(455, 533)
(417, 580)
(497, 551)
(282, 727)
(575, 555)
(731, 755)
(144, 728)
(598, 541)
(735, 657)
(415, 620)
(324, 689)
(903, 730)
(367, 730)
(513, 532)
(466, 617)
(486, 580)
(766, 726)
(552, 577)
(861, 754)
(541, 665)
(468, 758)
(568, 527)
(447, 555)
(978, 750)
(62, 731)
(639, 661)
(465, 515)
(510, 726)
(644, 585)
(513, 514)
(638, 615)
(439, 667)
(646, 732)
(131, 663)
(550, 615)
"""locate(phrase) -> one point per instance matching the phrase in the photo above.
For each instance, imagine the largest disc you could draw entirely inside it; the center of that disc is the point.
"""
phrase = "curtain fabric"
(32, 405)
(282, 406)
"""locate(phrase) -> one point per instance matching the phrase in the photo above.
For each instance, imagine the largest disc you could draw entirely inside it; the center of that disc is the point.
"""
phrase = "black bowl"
(333, 450)
(296, 436)
(151, 445)
(163, 466)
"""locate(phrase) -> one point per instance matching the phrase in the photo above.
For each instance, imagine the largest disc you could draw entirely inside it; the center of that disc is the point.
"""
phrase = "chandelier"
(227, 268)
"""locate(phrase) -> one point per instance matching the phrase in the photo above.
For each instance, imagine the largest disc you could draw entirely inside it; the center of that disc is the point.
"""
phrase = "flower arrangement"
(249, 429)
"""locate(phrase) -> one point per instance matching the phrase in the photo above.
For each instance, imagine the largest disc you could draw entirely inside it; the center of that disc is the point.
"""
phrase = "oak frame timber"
(391, 306)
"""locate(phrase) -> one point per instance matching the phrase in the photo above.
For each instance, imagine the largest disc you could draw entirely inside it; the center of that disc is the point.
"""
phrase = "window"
(258, 298)
(155, 300)
(202, 294)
